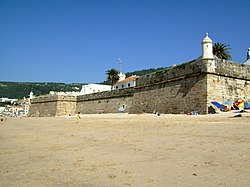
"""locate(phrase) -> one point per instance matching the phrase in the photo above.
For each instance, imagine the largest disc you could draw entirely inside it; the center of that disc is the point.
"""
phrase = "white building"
(64, 93)
(126, 83)
(94, 88)
(6, 100)
(31, 95)
(121, 76)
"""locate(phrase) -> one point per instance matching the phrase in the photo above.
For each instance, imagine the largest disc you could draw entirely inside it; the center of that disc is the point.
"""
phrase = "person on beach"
(78, 118)
(3, 119)
(69, 116)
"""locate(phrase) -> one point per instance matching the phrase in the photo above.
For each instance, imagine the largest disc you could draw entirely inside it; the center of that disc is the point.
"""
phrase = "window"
(128, 84)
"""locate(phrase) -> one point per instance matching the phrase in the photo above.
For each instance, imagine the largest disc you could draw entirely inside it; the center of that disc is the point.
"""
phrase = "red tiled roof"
(14, 107)
(128, 79)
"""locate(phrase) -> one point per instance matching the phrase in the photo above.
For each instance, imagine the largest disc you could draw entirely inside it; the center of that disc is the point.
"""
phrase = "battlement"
(232, 69)
(53, 98)
(196, 67)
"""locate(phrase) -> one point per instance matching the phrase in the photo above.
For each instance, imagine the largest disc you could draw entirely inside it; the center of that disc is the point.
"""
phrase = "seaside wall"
(66, 105)
(105, 102)
(182, 89)
(172, 97)
(52, 105)
(228, 82)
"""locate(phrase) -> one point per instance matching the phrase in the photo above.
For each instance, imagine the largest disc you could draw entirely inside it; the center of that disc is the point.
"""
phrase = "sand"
(109, 150)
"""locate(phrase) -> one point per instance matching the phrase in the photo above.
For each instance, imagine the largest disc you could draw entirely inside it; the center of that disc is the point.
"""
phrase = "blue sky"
(76, 41)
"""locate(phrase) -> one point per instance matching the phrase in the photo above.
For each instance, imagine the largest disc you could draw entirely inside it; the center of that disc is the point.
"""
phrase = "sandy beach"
(109, 150)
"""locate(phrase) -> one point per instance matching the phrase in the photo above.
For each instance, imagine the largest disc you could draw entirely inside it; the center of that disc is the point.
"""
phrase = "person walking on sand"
(3, 119)
(78, 118)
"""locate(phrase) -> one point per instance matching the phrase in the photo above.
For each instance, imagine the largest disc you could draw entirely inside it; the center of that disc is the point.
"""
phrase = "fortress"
(181, 89)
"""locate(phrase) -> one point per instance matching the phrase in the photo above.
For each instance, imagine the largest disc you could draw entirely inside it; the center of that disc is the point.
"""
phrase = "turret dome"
(207, 39)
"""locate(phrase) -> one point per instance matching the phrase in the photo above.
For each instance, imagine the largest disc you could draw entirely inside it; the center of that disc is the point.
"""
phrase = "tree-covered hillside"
(19, 90)
(22, 89)
(138, 73)
(144, 72)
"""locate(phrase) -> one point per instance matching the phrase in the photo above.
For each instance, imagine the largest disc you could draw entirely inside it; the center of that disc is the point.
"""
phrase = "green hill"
(22, 89)
(19, 90)
(144, 71)
(138, 73)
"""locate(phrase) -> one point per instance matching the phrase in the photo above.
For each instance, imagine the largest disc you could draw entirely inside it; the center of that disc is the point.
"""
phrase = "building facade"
(126, 83)
(94, 88)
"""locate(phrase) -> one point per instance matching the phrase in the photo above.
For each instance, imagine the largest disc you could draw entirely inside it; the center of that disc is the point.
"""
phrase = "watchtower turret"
(207, 48)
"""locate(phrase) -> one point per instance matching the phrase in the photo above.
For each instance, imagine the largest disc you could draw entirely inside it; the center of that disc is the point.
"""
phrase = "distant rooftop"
(129, 79)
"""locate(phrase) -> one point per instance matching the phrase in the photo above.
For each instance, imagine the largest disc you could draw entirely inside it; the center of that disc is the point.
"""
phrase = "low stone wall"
(66, 106)
(177, 72)
(52, 105)
(105, 102)
(232, 69)
(222, 88)
(173, 97)
(46, 109)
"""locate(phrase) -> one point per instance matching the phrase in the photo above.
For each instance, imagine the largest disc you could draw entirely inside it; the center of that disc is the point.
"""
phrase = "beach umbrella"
(227, 103)
(246, 105)
(218, 105)
(242, 104)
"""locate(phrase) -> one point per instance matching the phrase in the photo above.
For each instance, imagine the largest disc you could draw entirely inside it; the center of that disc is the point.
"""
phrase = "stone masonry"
(52, 105)
(188, 87)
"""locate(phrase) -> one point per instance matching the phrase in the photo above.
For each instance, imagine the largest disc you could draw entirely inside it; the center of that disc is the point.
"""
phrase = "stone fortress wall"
(52, 105)
(228, 82)
(187, 87)
(105, 102)
(184, 88)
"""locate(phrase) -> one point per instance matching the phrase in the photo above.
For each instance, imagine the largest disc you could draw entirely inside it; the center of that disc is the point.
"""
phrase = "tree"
(222, 51)
(112, 76)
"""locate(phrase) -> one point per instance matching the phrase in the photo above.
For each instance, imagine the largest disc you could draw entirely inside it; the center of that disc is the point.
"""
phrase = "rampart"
(181, 89)
(228, 82)
(52, 105)
(105, 102)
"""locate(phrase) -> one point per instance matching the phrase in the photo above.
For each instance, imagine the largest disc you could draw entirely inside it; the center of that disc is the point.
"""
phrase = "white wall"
(94, 88)
(125, 85)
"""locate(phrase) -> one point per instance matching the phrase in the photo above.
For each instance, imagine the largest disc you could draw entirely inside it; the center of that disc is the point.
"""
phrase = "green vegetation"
(222, 51)
(144, 71)
(19, 90)
(112, 76)
(185, 64)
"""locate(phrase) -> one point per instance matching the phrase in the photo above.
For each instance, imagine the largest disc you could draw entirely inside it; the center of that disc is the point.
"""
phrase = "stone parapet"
(232, 69)
(52, 98)
(126, 92)
(52, 105)
(196, 67)
(180, 71)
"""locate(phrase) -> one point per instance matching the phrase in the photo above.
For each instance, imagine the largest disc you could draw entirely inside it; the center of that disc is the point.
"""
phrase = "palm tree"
(222, 51)
(112, 76)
